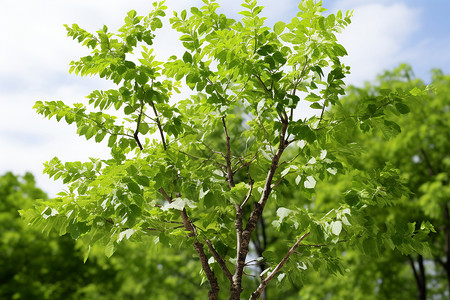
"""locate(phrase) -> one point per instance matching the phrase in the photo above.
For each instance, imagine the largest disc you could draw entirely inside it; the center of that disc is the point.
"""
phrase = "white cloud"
(377, 37)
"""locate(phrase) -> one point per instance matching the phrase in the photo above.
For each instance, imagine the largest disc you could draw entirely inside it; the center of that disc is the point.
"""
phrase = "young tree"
(222, 158)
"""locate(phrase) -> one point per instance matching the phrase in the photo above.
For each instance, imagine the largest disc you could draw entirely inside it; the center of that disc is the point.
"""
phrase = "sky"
(35, 54)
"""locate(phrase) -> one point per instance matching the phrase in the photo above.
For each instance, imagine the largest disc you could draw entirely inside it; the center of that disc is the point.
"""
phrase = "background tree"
(185, 190)
(36, 266)
(421, 153)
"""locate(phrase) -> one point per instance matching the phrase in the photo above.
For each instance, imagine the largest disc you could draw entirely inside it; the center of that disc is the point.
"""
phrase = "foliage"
(211, 165)
(421, 154)
(36, 266)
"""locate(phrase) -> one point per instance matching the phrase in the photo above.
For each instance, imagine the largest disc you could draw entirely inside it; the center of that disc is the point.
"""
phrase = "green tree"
(421, 154)
(35, 266)
(201, 172)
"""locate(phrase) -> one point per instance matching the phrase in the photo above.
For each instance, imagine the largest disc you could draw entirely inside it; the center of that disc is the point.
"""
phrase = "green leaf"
(316, 105)
(131, 14)
(245, 13)
(312, 97)
(402, 108)
(128, 110)
(77, 229)
(132, 170)
(279, 27)
(187, 57)
(142, 78)
(110, 249)
(142, 180)
(134, 187)
(112, 140)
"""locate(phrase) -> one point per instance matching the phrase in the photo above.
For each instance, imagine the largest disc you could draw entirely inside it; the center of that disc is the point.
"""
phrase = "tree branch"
(245, 164)
(158, 123)
(249, 194)
(264, 282)
(263, 85)
(228, 155)
(219, 260)
(136, 132)
(198, 246)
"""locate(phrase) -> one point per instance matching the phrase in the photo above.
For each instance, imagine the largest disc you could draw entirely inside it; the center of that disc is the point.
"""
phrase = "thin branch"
(240, 92)
(163, 192)
(202, 158)
(238, 224)
(136, 132)
(321, 114)
(219, 260)
(214, 292)
(228, 155)
(291, 160)
(266, 135)
(212, 150)
(278, 183)
(264, 282)
(326, 245)
(249, 194)
(249, 275)
(246, 164)
(158, 123)
(263, 85)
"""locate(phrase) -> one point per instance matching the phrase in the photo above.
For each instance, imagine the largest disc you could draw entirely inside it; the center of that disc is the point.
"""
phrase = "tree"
(35, 266)
(211, 165)
(38, 266)
(420, 152)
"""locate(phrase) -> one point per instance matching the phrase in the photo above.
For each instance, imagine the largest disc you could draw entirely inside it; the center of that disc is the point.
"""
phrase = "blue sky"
(35, 53)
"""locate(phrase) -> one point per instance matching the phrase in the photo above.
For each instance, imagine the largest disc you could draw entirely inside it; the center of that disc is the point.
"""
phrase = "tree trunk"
(420, 277)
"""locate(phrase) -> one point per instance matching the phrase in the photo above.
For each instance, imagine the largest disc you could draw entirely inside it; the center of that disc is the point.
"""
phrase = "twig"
(291, 160)
(278, 183)
(228, 155)
(213, 293)
(212, 150)
(136, 132)
(263, 85)
(158, 123)
(249, 194)
(264, 282)
(321, 114)
(219, 260)
(246, 164)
